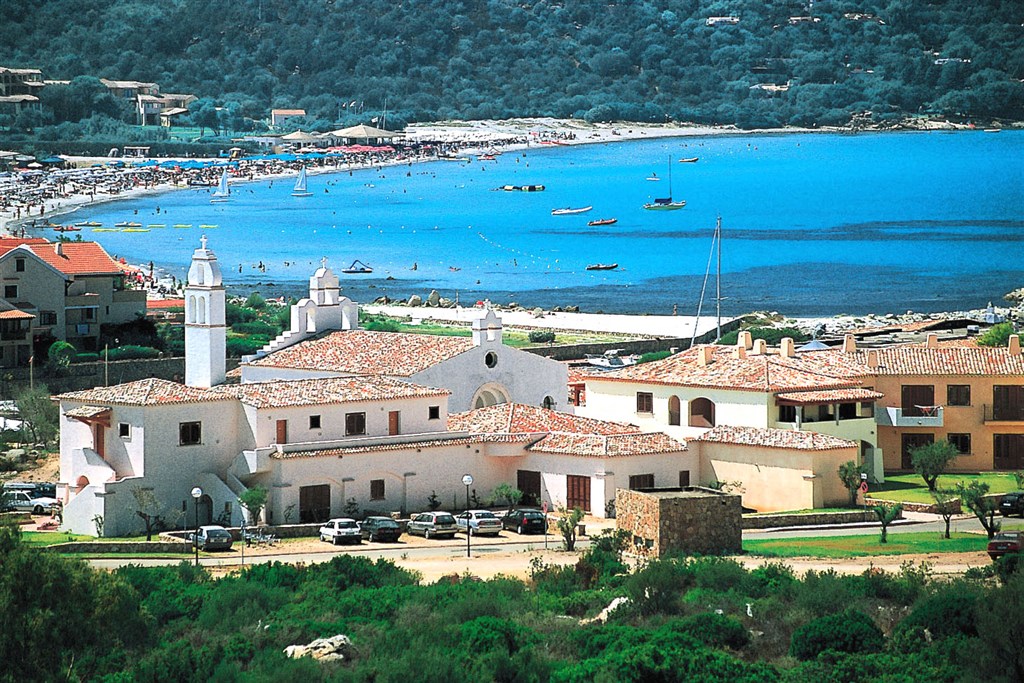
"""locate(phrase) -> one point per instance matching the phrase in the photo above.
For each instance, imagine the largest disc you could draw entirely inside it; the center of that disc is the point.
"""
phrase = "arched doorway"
(81, 483)
(489, 395)
(702, 412)
(674, 411)
(548, 403)
(204, 511)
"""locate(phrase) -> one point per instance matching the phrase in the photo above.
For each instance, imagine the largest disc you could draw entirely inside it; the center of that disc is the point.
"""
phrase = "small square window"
(19, 265)
(190, 433)
(355, 424)
(376, 489)
(124, 430)
(961, 441)
(10, 291)
(641, 481)
(958, 395)
(434, 413)
(787, 413)
(88, 313)
(644, 402)
(314, 422)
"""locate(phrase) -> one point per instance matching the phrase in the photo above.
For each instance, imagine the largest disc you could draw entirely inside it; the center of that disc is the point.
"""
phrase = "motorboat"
(603, 221)
(602, 266)
(357, 268)
(70, 228)
(127, 224)
(689, 160)
(522, 188)
(612, 359)
(567, 211)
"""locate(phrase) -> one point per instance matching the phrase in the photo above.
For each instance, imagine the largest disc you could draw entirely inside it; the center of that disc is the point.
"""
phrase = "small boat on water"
(223, 192)
(450, 158)
(666, 203)
(689, 160)
(207, 226)
(156, 225)
(135, 230)
(300, 185)
(522, 188)
(106, 230)
(486, 157)
(69, 228)
(603, 221)
(357, 268)
(567, 211)
(602, 266)
(127, 224)
(182, 225)
(88, 224)
(653, 178)
(611, 359)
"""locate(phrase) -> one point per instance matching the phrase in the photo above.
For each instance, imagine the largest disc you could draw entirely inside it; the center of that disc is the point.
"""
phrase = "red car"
(1004, 543)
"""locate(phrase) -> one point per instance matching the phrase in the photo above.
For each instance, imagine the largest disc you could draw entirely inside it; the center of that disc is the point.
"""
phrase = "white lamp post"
(197, 493)
(468, 481)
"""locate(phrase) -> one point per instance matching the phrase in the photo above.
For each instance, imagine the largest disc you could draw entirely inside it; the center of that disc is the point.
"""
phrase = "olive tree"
(931, 460)
(887, 513)
(850, 474)
(253, 500)
(507, 493)
(975, 497)
(946, 505)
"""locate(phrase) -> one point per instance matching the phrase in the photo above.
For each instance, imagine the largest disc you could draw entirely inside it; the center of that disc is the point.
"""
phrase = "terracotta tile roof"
(362, 352)
(156, 304)
(376, 448)
(8, 243)
(946, 360)
(79, 258)
(283, 393)
(771, 372)
(87, 411)
(9, 312)
(518, 418)
(607, 445)
(774, 438)
(143, 392)
(830, 396)
(308, 392)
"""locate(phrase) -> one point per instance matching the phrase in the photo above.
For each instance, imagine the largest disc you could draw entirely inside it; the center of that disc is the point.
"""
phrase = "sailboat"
(300, 185)
(223, 192)
(666, 203)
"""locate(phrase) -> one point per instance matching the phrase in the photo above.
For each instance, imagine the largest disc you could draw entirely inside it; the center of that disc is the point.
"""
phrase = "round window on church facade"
(491, 359)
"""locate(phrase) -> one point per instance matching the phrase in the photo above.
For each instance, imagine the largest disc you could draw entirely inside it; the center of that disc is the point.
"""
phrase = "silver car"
(213, 537)
(480, 522)
(428, 524)
(23, 501)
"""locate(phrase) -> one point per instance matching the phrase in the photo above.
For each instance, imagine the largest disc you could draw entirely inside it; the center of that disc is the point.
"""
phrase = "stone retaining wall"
(129, 547)
(929, 508)
(813, 519)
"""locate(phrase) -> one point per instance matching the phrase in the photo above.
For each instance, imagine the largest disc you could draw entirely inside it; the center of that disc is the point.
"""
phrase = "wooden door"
(314, 503)
(282, 431)
(577, 492)
(910, 442)
(99, 440)
(1007, 402)
(529, 483)
(394, 422)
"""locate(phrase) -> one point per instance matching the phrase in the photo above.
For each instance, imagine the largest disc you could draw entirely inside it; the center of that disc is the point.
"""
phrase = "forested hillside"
(644, 60)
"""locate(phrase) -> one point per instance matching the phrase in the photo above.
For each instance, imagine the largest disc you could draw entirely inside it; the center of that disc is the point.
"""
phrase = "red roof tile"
(830, 396)
(945, 360)
(517, 418)
(607, 445)
(78, 258)
(774, 438)
(156, 304)
(362, 352)
(8, 243)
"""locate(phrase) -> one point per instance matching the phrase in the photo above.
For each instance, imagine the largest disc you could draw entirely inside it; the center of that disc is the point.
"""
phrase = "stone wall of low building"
(691, 520)
(811, 519)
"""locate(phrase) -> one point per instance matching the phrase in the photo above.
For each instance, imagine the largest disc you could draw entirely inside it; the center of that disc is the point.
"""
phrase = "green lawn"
(910, 488)
(41, 539)
(866, 545)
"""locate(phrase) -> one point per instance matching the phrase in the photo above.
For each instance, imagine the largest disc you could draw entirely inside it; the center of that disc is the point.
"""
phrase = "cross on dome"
(323, 262)
(202, 241)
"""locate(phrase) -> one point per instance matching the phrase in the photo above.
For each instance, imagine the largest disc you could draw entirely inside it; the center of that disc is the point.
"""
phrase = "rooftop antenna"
(718, 277)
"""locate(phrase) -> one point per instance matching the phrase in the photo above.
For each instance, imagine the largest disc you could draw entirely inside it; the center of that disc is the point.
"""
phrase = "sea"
(812, 224)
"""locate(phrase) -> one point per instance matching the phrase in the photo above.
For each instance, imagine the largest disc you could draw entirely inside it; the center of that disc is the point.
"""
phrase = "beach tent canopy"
(300, 136)
(364, 132)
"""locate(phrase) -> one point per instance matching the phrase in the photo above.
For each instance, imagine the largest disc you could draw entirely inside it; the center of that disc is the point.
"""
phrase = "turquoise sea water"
(813, 224)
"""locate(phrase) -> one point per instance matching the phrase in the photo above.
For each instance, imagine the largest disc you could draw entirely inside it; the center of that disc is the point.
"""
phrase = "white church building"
(330, 416)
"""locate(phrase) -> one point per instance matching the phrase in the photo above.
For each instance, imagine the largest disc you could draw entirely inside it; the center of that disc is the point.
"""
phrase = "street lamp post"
(197, 493)
(468, 481)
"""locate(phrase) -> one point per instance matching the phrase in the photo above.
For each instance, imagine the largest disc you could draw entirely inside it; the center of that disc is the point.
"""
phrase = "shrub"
(87, 357)
(61, 353)
(772, 335)
(256, 302)
(946, 613)
(133, 352)
(851, 631)
(997, 335)
(234, 313)
(653, 356)
(244, 346)
(255, 327)
(541, 337)
(383, 326)
(714, 630)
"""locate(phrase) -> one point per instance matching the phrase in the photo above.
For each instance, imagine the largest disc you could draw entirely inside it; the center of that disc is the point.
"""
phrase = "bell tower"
(205, 328)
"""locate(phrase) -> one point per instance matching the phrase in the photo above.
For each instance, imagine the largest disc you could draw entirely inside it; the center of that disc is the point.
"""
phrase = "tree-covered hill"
(645, 60)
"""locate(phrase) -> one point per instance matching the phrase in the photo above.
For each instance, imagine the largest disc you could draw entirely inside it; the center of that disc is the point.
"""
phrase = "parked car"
(480, 522)
(24, 501)
(1003, 543)
(380, 529)
(524, 520)
(213, 537)
(430, 524)
(341, 530)
(1012, 504)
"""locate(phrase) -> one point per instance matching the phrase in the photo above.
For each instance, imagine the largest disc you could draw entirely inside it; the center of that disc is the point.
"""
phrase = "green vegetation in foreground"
(866, 545)
(685, 619)
(910, 488)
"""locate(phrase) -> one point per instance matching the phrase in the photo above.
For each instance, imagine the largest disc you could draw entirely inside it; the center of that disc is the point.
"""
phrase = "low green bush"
(244, 346)
(87, 357)
(133, 352)
(850, 631)
(714, 630)
(383, 326)
(255, 327)
(541, 337)
(772, 335)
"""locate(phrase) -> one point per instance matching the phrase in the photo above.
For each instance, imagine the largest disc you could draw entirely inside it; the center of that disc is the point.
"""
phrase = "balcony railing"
(932, 416)
(1004, 413)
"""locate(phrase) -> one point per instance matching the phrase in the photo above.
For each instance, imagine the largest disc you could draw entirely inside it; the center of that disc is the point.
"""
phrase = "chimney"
(706, 355)
(739, 352)
(744, 339)
(873, 358)
(787, 348)
(849, 344)
(933, 340)
(760, 347)
(1013, 347)
(58, 247)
